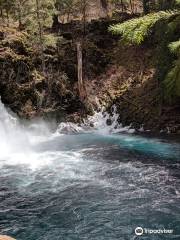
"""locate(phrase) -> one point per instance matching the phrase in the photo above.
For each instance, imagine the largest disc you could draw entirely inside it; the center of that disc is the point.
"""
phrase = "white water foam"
(11, 138)
(101, 122)
(23, 144)
(17, 141)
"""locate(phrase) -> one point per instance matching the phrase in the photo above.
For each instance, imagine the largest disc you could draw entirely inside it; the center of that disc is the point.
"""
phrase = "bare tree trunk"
(20, 15)
(40, 34)
(131, 6)
(81, 87)
(145, 6)
(104, 4)
(2, 15)
(122, 6)
(84, 15)
(7, 15)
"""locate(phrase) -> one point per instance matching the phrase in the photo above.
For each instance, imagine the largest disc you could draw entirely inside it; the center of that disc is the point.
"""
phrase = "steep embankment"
(113, 73)
(133, 81)
(127, 76)
(25, 88)
(130, 84)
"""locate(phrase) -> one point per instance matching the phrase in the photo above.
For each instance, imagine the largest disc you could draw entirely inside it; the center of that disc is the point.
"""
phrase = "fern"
(136, 30)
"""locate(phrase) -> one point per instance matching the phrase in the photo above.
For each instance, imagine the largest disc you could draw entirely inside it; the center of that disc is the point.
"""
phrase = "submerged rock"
(69, 128)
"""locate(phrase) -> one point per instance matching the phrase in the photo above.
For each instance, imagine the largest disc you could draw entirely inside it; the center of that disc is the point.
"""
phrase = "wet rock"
(109, 122)
(4, 237)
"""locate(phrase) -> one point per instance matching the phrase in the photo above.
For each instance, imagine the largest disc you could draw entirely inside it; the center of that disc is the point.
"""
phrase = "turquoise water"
(91, 186)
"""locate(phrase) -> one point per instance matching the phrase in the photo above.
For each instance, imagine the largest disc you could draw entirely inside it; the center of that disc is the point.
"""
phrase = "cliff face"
(131, 83)
(25, 88)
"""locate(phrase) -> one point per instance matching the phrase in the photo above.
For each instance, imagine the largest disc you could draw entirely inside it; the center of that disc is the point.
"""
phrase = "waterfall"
(11, 138)
(14, 137)
(17, 141)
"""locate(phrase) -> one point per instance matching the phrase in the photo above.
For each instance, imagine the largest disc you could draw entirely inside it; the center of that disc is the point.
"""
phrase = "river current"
(94, 182)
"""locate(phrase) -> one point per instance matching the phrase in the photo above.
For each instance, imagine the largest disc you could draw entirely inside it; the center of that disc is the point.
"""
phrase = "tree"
(40, 31)
(172, 80)
(135, 31)
(6, 6)
(38, 19)
(120, 4)
(65, 8)
(23, 9)
(124, 5)
(145, 6)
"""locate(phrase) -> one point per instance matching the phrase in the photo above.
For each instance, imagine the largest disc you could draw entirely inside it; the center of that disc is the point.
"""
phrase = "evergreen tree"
(23, 9)
(39, 19)
(145, 6)
(135, 31)
(6, 7)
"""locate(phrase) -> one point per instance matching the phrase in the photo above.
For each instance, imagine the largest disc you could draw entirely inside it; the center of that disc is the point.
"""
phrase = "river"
(97, 183)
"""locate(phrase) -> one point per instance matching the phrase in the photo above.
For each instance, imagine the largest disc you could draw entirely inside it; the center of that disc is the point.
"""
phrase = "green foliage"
(50, 40)
(46, 11)
(172, 82)
(71, 9)
(175, 47)
(177, 2)
(136, 30)
(64, 6)
(7, 4)
(6, 7)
